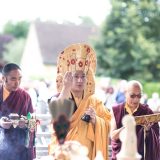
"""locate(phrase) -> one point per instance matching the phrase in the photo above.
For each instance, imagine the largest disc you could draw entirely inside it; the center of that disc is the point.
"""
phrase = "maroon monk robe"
(13, 141)
(152, 136)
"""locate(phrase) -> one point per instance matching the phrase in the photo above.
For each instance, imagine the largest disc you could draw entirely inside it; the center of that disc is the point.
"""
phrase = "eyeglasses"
(135, 95)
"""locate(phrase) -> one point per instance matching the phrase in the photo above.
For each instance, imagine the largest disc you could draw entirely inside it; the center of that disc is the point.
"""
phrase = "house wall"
(31, 62)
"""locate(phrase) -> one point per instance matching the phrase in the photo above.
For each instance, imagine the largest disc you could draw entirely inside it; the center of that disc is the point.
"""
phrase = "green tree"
(14, 50)
(18, 29)
(129, 43)
(85, 20)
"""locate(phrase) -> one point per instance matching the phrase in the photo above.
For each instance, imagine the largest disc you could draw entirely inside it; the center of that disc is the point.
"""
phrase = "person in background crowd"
(154, 102)
(110, 97)
(144, 98)
(0, 78)
(16, 142)
(120, 95)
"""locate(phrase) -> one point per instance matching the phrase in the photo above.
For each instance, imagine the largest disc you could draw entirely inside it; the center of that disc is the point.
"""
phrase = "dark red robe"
(13, 141)
(152, 137)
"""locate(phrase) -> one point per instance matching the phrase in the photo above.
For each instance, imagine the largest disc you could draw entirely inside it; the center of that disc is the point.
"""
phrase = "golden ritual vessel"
(30, 120)
(144, 119)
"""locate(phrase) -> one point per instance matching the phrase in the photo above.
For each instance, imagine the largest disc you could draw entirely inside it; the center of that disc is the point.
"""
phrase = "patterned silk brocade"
(77, 57)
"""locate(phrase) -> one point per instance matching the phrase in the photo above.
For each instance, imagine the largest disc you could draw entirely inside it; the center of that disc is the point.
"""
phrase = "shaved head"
(133, 93)
(134, 84)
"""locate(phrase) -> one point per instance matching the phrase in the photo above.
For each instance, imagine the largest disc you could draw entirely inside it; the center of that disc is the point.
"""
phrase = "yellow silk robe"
(95, 138)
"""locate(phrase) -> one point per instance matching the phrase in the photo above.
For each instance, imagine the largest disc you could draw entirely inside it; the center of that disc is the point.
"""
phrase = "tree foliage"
(18, 29)
(87, 21)
(14, 50)
(128, 47)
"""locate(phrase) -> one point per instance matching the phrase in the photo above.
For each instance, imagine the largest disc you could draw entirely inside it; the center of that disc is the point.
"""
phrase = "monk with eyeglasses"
(148, 143)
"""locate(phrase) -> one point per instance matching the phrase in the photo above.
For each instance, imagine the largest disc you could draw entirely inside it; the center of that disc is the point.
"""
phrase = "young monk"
(75, 81)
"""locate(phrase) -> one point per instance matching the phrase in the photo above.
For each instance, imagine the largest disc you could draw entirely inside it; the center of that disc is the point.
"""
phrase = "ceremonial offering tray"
(30, 120)
(144, 119)
(14, 116)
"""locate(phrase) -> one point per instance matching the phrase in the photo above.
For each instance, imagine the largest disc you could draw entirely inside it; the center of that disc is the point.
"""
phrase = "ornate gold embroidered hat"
(74, 58)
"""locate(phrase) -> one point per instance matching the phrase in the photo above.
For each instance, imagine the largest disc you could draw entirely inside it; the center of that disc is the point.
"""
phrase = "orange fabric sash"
(95, 138)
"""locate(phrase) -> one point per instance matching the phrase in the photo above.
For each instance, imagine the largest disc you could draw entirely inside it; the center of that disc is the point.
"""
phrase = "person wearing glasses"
(132, 106)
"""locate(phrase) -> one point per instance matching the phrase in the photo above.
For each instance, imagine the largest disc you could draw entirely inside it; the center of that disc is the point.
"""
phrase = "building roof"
(53, 38)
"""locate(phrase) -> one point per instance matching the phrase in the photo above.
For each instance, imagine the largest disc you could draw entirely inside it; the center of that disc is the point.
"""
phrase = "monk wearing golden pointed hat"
(89, 124)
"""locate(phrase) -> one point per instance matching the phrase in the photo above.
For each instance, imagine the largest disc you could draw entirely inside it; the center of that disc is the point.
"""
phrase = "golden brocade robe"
(95, 138)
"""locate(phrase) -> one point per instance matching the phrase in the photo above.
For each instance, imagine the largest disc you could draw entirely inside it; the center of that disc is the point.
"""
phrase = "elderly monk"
(147, 136)
(75, 81)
